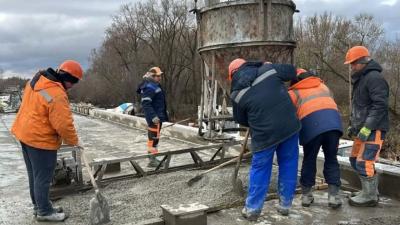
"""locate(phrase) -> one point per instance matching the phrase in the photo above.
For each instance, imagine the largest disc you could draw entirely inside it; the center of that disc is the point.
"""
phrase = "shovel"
(99, 209)
(239, 158)
(199, 176)
(236, 182)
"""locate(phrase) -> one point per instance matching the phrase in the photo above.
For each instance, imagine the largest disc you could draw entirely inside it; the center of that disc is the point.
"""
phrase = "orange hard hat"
(72, 67)
(155, 70)
(234, 65)
(300, 71)
(355, 53)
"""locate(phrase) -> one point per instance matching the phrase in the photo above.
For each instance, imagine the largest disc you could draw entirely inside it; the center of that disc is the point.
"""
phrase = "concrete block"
(154, 221)
(184, 214)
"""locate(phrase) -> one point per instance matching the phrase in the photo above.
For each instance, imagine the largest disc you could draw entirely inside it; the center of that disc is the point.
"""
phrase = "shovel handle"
(240, 157)
(170, 125)
(85, 161)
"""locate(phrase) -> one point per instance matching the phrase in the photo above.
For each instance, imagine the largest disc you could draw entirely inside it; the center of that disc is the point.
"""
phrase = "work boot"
(250, 216)
(369, 195)
(355, 193)
(284, 211)
(334, 199)
(153, 161)
(58, 209)
(53, 217)
(307, 197)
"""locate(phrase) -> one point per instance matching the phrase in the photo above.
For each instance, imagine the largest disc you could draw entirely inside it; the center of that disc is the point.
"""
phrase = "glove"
(155, 120)
(364, 134)
(351, 132)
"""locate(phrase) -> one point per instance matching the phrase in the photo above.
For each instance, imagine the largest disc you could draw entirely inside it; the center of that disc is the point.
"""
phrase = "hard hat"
(355, 53)
(155, 70)
(72, 67)
(300, 71)
(234, 65)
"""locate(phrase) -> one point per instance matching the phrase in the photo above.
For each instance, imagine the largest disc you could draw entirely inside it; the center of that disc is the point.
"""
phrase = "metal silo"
(250, 29)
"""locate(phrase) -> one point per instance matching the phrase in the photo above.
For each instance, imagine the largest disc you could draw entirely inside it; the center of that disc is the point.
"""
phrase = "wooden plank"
(161, 162)
(102, 171)
(217, 153)
(196, 158)
(137, 168)
(206, 165)
(167, 162)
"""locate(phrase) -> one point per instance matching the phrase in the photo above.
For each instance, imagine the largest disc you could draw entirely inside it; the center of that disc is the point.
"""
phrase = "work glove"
(364, 134)
(351, 132)
(155, 120)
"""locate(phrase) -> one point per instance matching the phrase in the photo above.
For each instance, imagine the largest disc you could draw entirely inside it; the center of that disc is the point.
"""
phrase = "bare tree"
(151, 33)
(366, 31)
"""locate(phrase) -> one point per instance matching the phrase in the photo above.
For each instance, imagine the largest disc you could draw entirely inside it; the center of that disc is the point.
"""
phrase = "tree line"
(163, 33)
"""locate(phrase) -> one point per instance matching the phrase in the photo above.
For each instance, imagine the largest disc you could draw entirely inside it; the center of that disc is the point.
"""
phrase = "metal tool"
(99, 209)
(201, 175)
(237, 182)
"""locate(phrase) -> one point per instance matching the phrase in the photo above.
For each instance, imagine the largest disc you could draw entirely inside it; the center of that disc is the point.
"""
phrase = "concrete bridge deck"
(134, 201)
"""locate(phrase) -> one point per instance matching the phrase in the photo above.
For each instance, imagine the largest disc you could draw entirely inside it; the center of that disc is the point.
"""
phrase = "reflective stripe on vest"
(146, 99)
(46, 95)
(237, 96)
(301, 101)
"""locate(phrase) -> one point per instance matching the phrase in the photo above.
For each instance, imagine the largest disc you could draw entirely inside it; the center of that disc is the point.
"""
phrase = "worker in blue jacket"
(261, 101)
(155, 110)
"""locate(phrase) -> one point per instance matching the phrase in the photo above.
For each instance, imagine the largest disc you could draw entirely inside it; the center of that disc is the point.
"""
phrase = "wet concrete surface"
(386, 213)
(135, 200)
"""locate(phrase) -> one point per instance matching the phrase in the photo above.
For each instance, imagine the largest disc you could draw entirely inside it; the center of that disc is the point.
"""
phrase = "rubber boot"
(353, 194)
(368, 197)
(250, 216)
(334, 199)
(307, 197)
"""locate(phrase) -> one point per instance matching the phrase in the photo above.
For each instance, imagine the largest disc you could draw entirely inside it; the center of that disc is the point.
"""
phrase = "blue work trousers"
(40, 165)
(260, 173)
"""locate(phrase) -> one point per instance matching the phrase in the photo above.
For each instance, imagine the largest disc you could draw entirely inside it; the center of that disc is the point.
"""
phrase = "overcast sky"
(37, 34)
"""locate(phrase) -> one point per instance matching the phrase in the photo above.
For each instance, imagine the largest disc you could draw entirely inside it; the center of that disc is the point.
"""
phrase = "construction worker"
(44, 120)
(155, 110)
(261, 102)
(369, 121)
(321, 126)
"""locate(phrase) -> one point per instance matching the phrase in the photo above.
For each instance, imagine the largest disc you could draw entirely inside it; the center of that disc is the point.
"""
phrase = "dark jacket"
(153, 101)
(260, 101)
(370, 99)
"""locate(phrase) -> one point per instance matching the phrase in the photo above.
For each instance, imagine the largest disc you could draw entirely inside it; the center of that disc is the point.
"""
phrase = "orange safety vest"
(44, 119)
(311, 95)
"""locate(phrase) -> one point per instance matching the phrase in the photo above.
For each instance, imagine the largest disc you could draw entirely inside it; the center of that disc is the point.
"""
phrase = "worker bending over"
(321, 127)
(260, 101)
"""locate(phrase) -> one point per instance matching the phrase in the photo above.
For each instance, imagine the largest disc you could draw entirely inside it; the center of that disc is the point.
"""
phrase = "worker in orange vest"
(369, 121)
(321, 127)
(44, 120)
